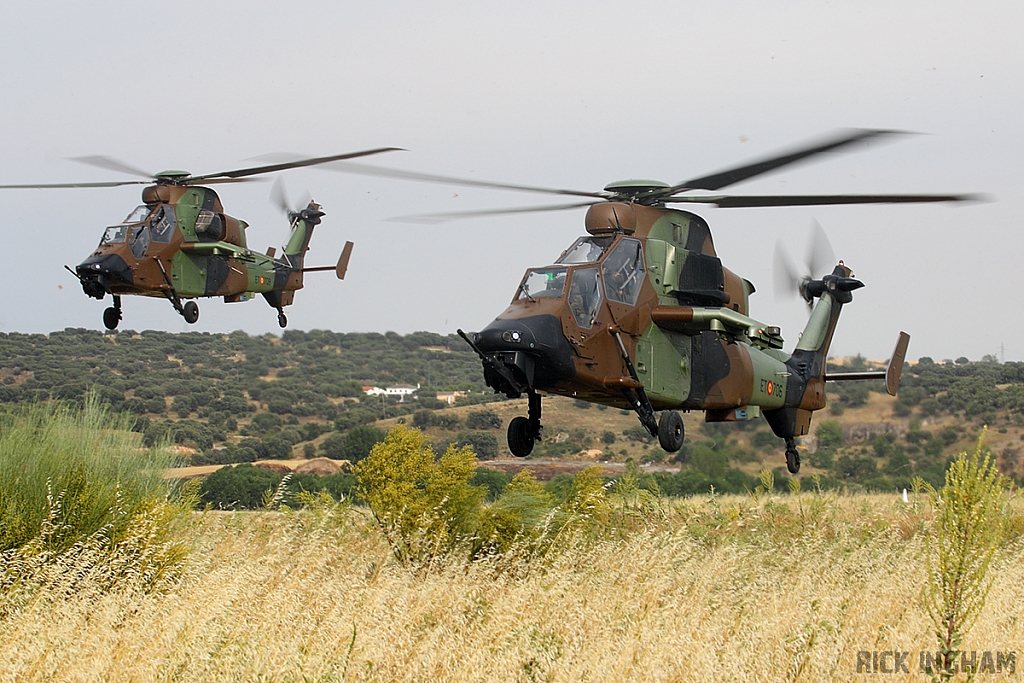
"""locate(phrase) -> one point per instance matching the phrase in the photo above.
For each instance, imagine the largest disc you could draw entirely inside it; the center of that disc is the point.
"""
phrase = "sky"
(570, 95)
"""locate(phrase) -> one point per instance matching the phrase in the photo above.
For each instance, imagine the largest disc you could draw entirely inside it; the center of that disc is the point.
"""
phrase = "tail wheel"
(520, 437)
(190, 311)
(282, 320)
(670, 431)
(792, 460)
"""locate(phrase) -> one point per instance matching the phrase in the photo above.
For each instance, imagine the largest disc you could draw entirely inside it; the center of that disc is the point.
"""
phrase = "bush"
(424, 506)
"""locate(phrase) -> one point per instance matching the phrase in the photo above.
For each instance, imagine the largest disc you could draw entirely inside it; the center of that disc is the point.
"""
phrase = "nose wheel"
(523, 432)
(282, 319)
(112, 316)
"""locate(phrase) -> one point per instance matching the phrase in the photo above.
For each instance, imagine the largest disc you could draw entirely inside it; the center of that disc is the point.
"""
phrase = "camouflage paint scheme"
(688, 334)
(187, 247)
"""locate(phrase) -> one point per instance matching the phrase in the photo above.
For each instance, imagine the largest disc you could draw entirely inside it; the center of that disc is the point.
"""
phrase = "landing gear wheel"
(282, 320)
(520, 437)
(670, 431)
(111, 317)
(792, 460)
(190, 311)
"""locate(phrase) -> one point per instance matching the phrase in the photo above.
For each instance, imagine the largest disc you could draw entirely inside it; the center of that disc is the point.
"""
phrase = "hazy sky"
(574, 94)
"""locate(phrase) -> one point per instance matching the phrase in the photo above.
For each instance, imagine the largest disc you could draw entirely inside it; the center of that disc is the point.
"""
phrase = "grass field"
(725, 588)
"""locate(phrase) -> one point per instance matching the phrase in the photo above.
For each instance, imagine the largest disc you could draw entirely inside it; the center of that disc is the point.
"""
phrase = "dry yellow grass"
(733, 588)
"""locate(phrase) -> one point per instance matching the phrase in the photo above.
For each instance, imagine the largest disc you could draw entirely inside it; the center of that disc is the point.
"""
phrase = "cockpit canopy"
(144, 224)
(618, 276)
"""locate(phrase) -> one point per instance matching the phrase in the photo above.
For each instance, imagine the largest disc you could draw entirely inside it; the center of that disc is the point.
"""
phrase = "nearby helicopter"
(180, 244)
(641, 314)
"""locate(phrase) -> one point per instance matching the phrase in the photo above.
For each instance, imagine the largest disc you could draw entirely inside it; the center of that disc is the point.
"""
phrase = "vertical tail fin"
(303, 223)
(805, 388)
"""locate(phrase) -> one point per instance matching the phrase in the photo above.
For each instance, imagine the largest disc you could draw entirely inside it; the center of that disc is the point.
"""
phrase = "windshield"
(585, 296)
(624, 271)
(115, 234)
(138, 215)
(585, 250)
(542, 282)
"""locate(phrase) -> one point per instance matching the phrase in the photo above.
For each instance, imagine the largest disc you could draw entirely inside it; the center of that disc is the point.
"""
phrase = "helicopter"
(640, 313)
(180, 245)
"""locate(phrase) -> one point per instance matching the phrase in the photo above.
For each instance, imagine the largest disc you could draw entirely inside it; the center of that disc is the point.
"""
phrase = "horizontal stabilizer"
(891, 374)
(339, 269)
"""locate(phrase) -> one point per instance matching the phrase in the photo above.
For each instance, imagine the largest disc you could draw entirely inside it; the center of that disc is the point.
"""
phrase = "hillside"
(235, 398)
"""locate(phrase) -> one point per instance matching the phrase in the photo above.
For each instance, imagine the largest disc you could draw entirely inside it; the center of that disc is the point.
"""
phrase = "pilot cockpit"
(142, 225)
(596, 268)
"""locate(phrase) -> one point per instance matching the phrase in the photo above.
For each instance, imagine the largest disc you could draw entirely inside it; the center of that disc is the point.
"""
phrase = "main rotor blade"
(717, 181)
(364, 169)
(112, 164)
(456, 215)
(51, 186)
(270, 168)
(730, 202)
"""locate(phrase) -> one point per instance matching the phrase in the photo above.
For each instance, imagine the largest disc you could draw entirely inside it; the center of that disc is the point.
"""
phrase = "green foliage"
(830, 434)
(483, 419)
(359, 441)
(608, 437)
(516, 519)
(76, 470)
(637, 433)
(424, 506)
(241, 487)
(969, 511)
(493, 480)
(333, 446)
(484, 444)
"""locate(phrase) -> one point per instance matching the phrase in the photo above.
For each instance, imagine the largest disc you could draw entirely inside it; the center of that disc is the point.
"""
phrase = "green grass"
(68, 472)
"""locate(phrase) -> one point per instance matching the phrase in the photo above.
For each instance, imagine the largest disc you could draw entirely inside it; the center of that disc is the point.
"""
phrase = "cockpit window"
(585, 250)
(624, 271)
(115, 234)
(162, 224)
(139, 240)
(138, 215)
(585, 296)
(542, 282)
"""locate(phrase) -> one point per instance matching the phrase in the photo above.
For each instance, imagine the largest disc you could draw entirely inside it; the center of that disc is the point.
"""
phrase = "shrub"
(424, 506)
(969, 511)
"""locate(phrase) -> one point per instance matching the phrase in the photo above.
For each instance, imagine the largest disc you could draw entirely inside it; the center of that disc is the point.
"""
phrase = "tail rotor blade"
(820, 256)
(278, 196)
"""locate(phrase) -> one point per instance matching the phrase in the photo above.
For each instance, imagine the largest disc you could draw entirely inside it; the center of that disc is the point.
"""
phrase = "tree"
(333, 447)
(238, 487)
(359, 441)
(483, 419)
(485, 445)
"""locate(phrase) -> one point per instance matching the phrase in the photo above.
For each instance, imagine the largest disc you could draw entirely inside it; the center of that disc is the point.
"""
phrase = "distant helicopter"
(179, 244)
(641, 314)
